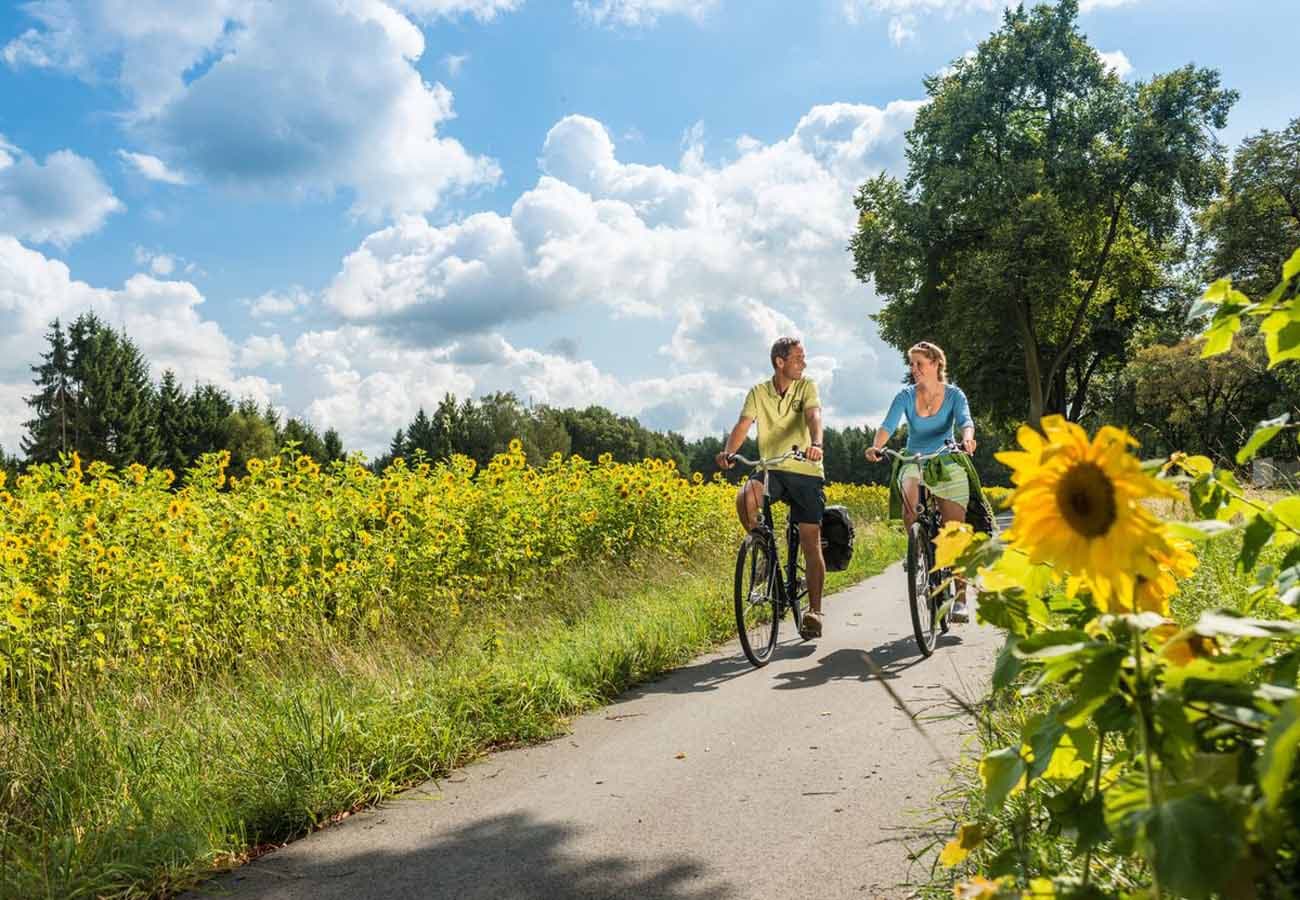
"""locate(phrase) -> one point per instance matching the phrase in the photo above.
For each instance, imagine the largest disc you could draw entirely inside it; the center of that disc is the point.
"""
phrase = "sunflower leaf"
(1283, 344)
(1198, 531)
(1291, 267)
(1218, 339)
(1193, 842)
(1264, 432)
(1216, 623)
(1003, 772)
(1257, 533)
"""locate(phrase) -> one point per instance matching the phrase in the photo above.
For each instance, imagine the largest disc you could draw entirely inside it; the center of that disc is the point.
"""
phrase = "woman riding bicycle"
(933, 409)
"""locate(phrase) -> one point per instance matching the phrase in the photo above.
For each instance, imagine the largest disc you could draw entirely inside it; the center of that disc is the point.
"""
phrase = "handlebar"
(948, 447)
(792, 453)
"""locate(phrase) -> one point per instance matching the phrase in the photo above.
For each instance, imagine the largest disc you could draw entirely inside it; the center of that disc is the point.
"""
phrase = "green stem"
(1096, 792)
(1140, 706)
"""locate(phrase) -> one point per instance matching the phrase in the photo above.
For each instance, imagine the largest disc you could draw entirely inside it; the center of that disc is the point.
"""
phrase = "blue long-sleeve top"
(926, 434)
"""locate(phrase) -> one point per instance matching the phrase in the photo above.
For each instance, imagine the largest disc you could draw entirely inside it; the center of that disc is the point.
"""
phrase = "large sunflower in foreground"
(1078, 506)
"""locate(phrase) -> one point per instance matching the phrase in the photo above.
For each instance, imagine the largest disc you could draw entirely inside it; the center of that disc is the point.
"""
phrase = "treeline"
(94, 396)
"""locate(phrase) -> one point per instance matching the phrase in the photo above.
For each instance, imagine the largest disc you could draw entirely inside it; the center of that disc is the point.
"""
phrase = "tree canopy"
(1042, 197)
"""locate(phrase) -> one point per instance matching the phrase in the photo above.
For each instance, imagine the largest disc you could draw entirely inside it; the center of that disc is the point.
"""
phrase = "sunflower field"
(1146, 750)
(109, 571)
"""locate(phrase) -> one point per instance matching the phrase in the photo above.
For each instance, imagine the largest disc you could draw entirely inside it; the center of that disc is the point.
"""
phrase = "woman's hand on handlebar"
(873, 454)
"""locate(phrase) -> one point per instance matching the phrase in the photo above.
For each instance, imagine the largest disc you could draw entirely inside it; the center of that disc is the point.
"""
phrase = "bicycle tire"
(792, 593)
(919, 600)
(757, 605)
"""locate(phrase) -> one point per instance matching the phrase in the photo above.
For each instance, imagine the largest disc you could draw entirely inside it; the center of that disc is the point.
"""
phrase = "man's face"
(793, 364)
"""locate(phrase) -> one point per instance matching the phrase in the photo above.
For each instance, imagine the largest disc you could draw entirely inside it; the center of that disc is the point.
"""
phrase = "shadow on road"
(511, 857)
(711, 674)
(890, 659)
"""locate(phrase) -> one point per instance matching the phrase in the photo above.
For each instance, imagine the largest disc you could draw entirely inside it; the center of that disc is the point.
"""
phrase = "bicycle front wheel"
(924, 622)
(756, 599)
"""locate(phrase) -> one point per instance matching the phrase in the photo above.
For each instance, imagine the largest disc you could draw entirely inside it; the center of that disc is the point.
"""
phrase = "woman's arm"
(897, 410)
(965, 421)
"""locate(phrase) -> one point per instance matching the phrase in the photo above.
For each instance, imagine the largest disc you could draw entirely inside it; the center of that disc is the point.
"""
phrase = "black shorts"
(806, 495)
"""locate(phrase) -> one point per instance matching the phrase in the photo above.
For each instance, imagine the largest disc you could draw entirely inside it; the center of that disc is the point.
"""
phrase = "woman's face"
(923, 368)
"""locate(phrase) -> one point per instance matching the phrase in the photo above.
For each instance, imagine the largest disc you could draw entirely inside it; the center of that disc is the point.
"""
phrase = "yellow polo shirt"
(781, 422)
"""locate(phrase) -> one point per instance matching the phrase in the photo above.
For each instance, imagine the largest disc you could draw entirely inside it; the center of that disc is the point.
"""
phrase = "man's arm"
(813, 416)
(733, 442)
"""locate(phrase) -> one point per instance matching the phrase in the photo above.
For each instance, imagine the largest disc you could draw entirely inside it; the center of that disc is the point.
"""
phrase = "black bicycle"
(762, 595)
(930, 594)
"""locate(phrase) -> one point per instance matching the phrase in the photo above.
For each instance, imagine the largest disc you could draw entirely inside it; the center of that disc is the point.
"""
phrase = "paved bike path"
(799, 780)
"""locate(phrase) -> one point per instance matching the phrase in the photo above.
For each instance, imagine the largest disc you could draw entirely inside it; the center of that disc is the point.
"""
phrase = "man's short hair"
(781, 349)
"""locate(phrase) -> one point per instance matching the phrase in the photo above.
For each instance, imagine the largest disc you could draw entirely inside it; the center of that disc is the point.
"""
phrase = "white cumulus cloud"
(215, 94)
(641, 13)
(727, 255)
(56, 201)
(152, 167)
(1117, 62)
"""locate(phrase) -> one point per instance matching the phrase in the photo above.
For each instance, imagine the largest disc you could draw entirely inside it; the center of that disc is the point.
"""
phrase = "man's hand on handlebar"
(724, 460)
(813, 453)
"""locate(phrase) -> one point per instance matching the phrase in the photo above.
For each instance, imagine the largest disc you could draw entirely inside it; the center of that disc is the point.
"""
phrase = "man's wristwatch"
(816, 444)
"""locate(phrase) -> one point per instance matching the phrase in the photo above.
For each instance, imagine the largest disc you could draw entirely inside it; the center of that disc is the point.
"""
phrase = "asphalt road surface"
(803, 779)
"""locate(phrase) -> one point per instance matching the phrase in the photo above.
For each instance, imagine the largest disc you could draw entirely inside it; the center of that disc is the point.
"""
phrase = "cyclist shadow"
(712, 673)
(887, 661)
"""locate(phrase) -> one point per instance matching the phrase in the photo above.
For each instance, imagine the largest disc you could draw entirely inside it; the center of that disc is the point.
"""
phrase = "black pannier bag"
(837, 538)
(979, 515)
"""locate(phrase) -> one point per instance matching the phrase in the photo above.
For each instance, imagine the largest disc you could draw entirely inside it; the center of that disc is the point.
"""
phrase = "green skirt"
(954, 485)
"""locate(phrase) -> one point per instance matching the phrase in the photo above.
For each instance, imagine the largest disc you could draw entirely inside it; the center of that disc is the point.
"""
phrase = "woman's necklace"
(928, 405)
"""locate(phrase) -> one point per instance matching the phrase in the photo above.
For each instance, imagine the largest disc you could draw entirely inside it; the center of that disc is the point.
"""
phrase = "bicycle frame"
(928, 515)
(789, 589)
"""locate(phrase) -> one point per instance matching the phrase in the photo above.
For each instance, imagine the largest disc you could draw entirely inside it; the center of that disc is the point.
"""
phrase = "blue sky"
(347, 207)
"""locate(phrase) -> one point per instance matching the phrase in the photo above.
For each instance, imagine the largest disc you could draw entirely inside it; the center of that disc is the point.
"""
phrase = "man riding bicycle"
(788, 411)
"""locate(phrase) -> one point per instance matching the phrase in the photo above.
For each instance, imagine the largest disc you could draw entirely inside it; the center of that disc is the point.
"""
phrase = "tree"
(53, 404)
(1180, 401)
(547, 435)
(333, 445)
(1043, 196)
(304, 436)
(208, 408)
(173, 425)
(1255, 226)
(115, 416)
(247, 435)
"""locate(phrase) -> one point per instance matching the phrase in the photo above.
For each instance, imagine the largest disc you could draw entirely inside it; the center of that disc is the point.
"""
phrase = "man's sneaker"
(810, 626)
(960, 612)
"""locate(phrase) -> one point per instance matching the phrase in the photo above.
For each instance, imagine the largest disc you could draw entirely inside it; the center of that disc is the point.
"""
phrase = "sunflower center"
(1086, 499)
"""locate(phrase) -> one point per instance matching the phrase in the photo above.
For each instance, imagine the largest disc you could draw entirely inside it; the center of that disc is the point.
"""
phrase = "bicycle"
(930, 594)
(762, 597)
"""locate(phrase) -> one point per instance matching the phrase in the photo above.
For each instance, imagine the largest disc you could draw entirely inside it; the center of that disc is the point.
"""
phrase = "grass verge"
(137, 789)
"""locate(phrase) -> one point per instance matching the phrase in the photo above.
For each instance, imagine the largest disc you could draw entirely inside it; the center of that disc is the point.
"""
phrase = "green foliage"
(1256, 223)
(1043, 196)
(1164, 749)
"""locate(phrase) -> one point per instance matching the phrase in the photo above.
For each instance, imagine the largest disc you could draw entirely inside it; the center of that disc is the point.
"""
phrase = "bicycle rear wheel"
(757, 612)
(924, 623)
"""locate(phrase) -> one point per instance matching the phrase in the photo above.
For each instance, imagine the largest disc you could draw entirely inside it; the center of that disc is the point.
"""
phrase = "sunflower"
(1077, 506)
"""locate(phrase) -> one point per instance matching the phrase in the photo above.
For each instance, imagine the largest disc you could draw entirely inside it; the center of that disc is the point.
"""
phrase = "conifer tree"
(53, 405)
(333, 446)
(173, 425)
